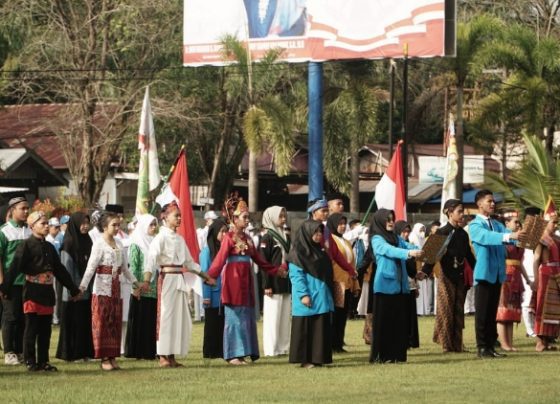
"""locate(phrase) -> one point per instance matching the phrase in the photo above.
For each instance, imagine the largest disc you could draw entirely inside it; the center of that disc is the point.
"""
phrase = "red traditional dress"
(233, 262)
(509, 309)
(106, 264)
(547, 310)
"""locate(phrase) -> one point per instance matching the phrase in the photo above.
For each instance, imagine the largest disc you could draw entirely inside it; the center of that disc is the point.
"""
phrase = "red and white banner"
(389, 193)
(314, 30)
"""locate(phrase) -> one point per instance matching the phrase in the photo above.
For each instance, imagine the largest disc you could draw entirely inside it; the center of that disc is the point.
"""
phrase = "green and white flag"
(149, 176)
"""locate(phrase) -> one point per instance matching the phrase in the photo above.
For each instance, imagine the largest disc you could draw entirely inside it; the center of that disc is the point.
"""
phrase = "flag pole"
(171, 170)
(368, 211)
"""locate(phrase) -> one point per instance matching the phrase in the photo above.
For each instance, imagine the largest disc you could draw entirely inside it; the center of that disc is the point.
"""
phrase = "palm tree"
(472, 38)
(533, 81)
(350, 121)
(537, 178)
(261, 116)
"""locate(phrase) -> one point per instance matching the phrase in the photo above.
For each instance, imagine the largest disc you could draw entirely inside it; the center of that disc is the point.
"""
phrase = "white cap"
(210, 215)
(53, 221)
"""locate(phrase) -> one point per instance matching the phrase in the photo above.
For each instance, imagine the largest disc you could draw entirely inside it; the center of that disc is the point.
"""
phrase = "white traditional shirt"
(102, 254)
(169, 248)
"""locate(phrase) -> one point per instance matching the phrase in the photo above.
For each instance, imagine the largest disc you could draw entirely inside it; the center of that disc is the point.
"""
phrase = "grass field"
(429, 376)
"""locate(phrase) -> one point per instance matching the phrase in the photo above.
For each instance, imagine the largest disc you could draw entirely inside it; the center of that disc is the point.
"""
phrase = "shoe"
(498, 354)
(32, 367)
(485, 353)
(47, 367)
(11, 359)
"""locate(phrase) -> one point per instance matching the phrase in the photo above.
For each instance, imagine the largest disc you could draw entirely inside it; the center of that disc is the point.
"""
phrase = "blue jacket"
(391, 277)
(304, 284)
(489, 249)
(210, 292)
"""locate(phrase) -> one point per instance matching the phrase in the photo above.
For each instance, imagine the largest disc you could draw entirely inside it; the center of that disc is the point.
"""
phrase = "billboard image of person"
(276, 17)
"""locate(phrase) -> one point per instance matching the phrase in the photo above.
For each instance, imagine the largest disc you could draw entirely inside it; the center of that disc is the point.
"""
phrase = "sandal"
(236, 362)
(104, 363)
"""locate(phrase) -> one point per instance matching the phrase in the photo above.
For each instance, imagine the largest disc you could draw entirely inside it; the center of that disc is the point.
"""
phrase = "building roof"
(20, 165)
(37, 127)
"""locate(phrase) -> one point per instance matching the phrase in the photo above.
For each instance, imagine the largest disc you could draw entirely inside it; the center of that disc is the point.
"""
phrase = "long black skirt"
(413, 338)
(75, 340)
(390, 328)
(141, 328)
(213, 344)
(311, 339)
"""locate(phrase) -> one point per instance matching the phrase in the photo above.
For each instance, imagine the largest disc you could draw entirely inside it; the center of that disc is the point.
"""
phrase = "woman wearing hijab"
(274, 246)
(344, 285)
(213, 344)
(311, 275)
(390, 287)
(451, 290)
(402, 229)
(142, 314)
(75, 339)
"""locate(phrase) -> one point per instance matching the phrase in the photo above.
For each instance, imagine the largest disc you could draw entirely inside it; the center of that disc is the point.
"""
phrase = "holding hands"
(282, 270)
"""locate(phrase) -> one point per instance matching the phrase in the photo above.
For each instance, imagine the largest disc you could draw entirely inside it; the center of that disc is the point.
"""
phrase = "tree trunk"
(460, 144)
(355, 181)
(253, 182)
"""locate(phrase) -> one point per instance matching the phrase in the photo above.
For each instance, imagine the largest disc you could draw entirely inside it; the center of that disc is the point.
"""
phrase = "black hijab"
(76, 244)
(333, 221)
(212, 239)
(378, 226)
(309, 255)
(400, 226)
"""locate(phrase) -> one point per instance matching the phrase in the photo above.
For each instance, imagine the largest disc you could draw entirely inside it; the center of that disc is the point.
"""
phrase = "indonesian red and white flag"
(389, 193)
(177, 189)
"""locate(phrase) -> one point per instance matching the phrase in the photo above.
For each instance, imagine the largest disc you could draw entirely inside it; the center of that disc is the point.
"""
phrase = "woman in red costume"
(233, 262)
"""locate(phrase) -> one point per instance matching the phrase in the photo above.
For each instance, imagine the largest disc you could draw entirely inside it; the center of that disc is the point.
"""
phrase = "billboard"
(431, 169)
(318, 30)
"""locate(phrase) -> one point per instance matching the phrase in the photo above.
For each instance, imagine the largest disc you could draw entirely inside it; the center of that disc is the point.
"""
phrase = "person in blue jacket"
(311, 275)
(390, 288)
(212, 347)
(488, 237)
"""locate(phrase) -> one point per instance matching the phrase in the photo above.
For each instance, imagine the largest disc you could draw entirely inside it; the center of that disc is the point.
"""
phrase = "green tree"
(95, 57)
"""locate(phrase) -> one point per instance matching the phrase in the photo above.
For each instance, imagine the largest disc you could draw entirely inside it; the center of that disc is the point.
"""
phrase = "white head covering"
(417, 238)
(140, 235)
(270, 219)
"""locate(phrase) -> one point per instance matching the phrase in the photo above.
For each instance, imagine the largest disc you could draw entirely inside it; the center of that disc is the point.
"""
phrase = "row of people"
(313, 246)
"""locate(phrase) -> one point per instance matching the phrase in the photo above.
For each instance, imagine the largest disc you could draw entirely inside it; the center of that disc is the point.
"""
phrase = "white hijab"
(140, 235)
(416, 237)
(270, 220)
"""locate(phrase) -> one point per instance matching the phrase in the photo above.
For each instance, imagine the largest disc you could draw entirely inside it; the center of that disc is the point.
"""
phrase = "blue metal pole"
(315, 128)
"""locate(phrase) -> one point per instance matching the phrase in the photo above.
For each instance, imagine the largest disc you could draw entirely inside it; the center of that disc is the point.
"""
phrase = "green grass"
(429, 376)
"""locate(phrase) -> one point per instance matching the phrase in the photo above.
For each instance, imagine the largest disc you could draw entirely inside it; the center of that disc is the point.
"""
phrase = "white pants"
(425, 299)
(126, 290)
(528, 312)
(277, 324)
(469, 301)
(363, 302)
(175, 323)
